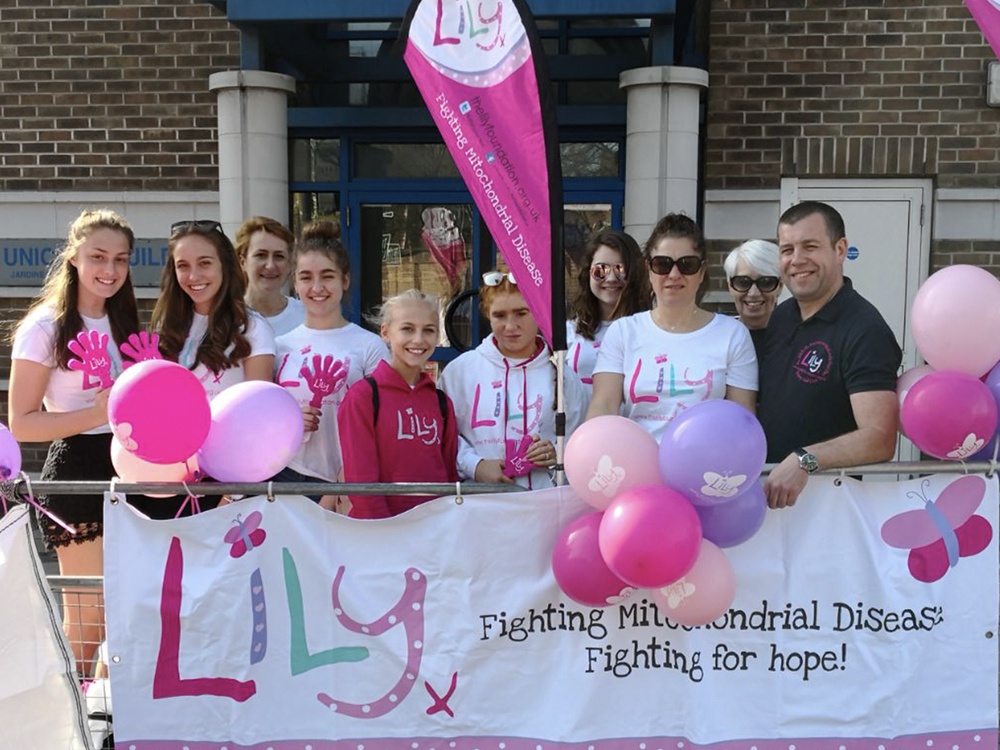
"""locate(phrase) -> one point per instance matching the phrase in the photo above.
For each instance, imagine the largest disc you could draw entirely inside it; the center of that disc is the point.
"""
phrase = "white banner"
(280, 625)
(41, 706)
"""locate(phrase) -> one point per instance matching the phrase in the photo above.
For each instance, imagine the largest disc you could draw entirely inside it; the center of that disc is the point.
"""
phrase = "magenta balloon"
(955, 319)
(10, 454)
(905, 381)
(736, 520)
(159, 411)
(949, 415)
(256, 428)
(649, 536)
(608, 454)
(703, 594)
(712, 451)
(579, 568)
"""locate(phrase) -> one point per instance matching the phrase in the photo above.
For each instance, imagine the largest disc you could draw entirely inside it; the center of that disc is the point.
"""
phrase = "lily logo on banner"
(944, 531)
(246, 538)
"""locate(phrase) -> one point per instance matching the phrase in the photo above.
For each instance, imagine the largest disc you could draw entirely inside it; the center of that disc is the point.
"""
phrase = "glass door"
(427, 242)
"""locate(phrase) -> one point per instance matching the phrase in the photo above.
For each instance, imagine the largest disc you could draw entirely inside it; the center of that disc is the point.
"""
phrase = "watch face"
(808, 462)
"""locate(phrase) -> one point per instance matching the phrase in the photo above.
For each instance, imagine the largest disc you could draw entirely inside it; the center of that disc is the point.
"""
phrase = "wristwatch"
(807, 461)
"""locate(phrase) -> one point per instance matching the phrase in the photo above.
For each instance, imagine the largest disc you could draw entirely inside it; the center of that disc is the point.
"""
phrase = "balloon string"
(30, 500)
(192, 499)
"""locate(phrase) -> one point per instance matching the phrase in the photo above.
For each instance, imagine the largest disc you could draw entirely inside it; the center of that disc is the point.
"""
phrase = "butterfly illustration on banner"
(245, 534)
(945, 530)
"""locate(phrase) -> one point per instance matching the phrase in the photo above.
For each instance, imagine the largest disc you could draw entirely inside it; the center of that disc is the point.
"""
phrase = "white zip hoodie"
(498, 399)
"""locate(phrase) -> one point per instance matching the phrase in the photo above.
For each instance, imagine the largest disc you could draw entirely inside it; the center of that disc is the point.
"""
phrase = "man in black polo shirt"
(829, 361)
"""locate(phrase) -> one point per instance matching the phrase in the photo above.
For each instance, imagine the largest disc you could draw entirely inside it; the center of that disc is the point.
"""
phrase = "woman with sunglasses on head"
(52, 398)
(658, 363)
(504, 394)
(612, 285)
(263, 247)
(752, 273)
(201, 318)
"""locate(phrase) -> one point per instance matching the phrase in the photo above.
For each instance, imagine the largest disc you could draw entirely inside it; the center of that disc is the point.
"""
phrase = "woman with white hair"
(754, 281)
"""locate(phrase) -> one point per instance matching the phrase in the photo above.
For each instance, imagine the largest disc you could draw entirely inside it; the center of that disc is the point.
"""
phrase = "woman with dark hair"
(263, 246)
(655, 364)
(201, 317)
(52, 398)
(504, 394)
(612, 284)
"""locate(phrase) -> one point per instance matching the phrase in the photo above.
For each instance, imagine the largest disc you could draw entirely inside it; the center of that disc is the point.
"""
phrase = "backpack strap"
(443, 405)
(371, 381)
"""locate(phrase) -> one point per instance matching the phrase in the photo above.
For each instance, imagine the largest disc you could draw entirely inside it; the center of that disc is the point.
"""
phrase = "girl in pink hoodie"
(396, 426)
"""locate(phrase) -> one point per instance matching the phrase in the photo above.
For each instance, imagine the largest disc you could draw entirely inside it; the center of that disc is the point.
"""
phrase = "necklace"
(684, 325)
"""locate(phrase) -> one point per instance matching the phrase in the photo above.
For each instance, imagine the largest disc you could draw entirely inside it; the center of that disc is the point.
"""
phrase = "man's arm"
(876, 414)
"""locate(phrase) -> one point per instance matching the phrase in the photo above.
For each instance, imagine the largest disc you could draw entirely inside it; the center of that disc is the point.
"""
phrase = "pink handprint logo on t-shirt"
(327, 376)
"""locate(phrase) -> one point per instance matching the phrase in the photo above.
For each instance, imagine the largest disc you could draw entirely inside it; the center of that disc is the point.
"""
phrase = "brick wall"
(854, 88)
(110, 95)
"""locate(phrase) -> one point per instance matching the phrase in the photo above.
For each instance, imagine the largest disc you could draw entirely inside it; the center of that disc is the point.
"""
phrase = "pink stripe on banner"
(985, 739)
(987, 15)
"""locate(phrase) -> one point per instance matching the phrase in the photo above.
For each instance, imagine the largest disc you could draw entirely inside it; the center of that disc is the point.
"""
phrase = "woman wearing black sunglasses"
(653, 365)
(612, 284)
(752, 273)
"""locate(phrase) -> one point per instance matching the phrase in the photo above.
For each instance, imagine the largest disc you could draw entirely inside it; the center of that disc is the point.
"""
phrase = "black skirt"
(88, 458)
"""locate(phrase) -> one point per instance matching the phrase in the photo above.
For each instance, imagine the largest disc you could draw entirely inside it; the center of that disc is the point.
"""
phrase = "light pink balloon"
(949, 415)
(133, 469)
(579, 568)
(159, 411)
(703, 594)
(606, 455)
(256, 428)
(649, 536)
(956, 320)
(907, 380)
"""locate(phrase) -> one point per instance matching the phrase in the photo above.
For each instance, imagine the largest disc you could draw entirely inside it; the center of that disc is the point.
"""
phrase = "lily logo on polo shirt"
(813, 362)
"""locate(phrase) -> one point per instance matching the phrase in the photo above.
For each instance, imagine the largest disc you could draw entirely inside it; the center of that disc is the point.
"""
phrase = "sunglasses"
(763, 283)
(494, 278)
(198, 225)
(601, 271)
(662, 265)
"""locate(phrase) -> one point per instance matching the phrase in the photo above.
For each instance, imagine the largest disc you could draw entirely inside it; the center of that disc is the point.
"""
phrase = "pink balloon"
(906, 381)
(10, 454)
(256, 428)
(949, 415)
(703, 594)
(649, 536)
(133, 469)
(579, 568)
(956, 319)
(159, 411)
(608, 454)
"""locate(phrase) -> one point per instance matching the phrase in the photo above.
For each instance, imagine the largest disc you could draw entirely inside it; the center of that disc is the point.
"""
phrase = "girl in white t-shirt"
(612, 284)
(654, 365)
(201, 317)
(317, 361)
(52, 398)
(264, 247)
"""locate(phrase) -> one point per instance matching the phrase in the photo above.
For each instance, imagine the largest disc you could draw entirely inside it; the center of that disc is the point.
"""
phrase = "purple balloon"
(256, 428)
(10, 454)
(712, 452)
(736, 520)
